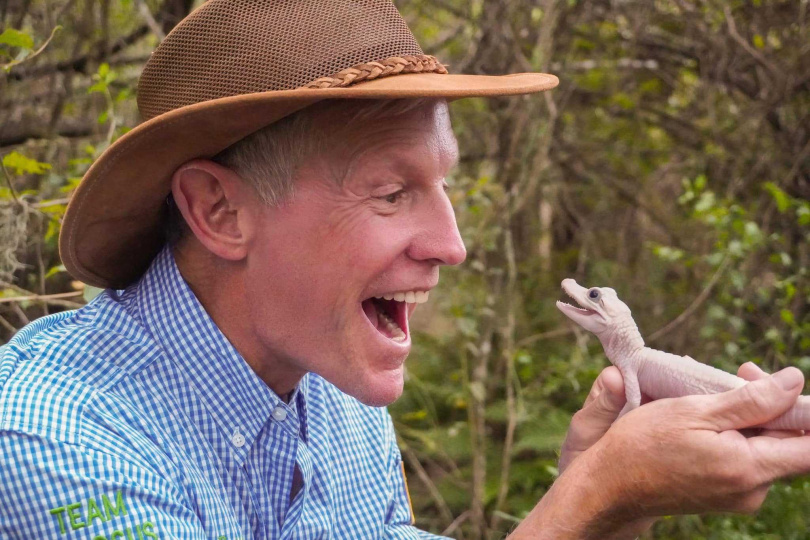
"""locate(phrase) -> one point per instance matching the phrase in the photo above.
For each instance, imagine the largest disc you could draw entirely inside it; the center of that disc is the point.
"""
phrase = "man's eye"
(393, 198)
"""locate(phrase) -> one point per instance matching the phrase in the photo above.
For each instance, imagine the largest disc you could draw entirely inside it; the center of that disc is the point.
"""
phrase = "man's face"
(322, 264)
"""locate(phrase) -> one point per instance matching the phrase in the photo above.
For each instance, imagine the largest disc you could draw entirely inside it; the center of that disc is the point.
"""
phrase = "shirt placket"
(298, 505)
(283, 444)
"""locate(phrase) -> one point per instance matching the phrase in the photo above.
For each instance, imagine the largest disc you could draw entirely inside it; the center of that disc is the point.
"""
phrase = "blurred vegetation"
(672, 163)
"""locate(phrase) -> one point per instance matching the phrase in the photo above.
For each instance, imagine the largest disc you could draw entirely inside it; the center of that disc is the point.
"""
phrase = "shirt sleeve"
(401, 522)
(53, 489)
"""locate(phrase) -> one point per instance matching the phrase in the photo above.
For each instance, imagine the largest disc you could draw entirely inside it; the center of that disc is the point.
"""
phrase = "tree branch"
(696, 303)
(55, 299)
(78, 64)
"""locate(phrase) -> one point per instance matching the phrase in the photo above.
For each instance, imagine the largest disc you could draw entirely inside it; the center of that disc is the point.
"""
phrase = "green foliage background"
(672, 163)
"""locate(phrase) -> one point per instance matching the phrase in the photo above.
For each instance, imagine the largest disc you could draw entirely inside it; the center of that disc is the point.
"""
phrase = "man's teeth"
(396, 332)
(411, 297)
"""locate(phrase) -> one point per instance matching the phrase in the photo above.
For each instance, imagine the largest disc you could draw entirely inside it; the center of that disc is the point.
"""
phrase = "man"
(230, 383)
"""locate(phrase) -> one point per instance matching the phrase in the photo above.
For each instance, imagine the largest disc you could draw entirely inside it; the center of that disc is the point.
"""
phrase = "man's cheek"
(345, 223)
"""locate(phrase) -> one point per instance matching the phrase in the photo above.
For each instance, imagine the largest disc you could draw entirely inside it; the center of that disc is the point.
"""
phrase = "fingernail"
(788, 378)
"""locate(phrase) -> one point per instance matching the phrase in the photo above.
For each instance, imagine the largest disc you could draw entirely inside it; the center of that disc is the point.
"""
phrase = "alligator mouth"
(575, 292)
(576, 308)
(565, 306)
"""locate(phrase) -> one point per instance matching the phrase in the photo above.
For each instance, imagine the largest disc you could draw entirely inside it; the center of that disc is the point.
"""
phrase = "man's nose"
(439, 240)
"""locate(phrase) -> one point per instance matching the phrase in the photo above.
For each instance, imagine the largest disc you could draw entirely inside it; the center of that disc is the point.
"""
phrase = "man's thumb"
(757, 402)
(603, 410)
(592, 421)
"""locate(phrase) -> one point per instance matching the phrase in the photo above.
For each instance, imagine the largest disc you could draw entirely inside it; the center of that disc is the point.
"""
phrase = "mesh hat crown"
(235, 47)
(228, 69)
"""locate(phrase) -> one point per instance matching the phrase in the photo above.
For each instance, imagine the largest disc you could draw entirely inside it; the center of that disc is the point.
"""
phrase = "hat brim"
(113, 226)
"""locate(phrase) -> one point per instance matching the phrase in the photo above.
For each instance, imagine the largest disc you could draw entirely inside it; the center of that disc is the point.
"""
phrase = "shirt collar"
(238, 400)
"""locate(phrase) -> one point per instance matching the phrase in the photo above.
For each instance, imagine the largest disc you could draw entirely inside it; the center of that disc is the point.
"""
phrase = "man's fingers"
(751, 502)
(780, 458)
(751, 372)
(756, 402)
(781, 433)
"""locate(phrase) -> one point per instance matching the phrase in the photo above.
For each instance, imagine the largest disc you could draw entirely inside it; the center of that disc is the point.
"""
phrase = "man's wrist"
(582, 504)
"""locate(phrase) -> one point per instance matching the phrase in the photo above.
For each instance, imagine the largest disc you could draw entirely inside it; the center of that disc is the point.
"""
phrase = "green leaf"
(122, 95)
(623, 100)
(53, 231)
(781, 258)
(667, 253)
(651, 86)
(752, 232)
(79, 161)
(781, 198)
(58, 269)
(24, 165)
(15, 38)
(705, 203)
(415, 415)
(100, 86)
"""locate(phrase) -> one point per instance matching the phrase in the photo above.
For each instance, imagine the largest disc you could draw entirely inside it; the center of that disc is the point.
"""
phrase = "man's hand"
(673, 456)
(686, 455)
(604, 402)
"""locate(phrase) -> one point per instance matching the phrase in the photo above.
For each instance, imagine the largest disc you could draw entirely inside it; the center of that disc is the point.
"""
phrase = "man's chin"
(380, 389)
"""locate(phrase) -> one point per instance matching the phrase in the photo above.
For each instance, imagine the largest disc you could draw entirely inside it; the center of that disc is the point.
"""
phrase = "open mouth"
(576, 309)
(570, 290)
(388, 313)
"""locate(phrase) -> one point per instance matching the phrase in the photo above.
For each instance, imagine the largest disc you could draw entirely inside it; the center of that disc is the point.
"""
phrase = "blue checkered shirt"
(135, 418)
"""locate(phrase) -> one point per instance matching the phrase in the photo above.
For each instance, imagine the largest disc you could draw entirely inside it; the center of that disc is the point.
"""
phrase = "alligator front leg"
(631, 391)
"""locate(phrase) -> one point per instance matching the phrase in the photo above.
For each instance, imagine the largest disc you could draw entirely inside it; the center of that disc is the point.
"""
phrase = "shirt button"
(238, 439)
(279, 413)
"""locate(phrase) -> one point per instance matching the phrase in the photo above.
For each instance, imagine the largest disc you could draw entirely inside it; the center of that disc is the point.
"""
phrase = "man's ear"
(216, 205)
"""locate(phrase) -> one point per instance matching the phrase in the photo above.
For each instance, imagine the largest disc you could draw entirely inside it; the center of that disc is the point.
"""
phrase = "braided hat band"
(395, 65)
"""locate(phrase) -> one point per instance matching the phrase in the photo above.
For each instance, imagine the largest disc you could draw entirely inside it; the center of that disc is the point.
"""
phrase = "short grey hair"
(269, 158)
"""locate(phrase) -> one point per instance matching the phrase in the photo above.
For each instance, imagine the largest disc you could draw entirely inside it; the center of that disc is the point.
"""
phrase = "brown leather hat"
(228, 69)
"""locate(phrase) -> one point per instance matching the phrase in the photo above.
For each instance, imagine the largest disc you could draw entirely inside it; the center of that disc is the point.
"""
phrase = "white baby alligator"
(655, 373)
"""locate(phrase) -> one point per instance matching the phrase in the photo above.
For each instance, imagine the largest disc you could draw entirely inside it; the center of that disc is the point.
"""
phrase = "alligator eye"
(593, 294)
